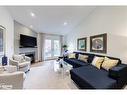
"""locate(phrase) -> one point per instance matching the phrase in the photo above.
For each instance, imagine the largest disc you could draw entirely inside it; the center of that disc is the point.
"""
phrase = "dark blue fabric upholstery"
(91, 56)
(91, 77)
(119, 73)
(87, 76)
(75, 62)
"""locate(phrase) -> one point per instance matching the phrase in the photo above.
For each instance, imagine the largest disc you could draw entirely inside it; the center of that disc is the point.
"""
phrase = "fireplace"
(31, 55)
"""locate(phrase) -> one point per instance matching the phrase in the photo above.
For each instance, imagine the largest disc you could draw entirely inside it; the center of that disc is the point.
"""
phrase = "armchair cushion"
(13, 62)
(13, 80)
(23, 64)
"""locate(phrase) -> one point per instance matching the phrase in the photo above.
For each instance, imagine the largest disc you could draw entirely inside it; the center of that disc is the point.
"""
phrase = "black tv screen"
(27, 41)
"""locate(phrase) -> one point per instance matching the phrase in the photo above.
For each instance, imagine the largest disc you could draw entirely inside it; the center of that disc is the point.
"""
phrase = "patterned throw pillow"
(97, 61)
(71, 55)
(83, 57)
(109, 63)
(18, 58)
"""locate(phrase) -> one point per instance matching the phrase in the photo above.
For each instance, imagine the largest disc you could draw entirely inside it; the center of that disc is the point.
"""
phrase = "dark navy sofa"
(87, 76)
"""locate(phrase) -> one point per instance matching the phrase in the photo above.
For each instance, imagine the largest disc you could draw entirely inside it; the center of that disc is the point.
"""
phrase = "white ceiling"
(50, 19)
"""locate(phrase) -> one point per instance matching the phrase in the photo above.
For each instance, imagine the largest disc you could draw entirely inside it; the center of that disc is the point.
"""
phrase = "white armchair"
(12, 80)
(22, 62)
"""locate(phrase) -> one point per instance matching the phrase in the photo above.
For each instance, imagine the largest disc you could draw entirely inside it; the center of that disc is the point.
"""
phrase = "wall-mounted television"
(27, 41)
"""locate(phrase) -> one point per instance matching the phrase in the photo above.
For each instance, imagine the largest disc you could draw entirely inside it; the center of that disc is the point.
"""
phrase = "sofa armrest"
(13, 62)
(119, 71)
(27, 58)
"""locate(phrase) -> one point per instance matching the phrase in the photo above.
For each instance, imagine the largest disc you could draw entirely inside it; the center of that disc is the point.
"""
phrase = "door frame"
(52, 49)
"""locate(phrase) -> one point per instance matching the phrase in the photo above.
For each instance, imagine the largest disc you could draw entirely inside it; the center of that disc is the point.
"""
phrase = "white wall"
(21, 29)
(7, 21)
(39, 51)
(110, 20)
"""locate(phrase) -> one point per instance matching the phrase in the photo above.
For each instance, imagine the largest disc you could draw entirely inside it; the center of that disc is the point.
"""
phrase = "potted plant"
(65, 50)
(64, 47)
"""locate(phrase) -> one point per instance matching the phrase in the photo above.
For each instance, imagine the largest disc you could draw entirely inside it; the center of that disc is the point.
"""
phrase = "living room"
(76, 29)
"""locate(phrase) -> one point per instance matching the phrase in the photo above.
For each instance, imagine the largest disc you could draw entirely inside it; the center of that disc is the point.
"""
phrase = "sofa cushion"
(69, 60)
(91, 56)
(80, 62)
(91, 77)
(118, 71)
(75, 62)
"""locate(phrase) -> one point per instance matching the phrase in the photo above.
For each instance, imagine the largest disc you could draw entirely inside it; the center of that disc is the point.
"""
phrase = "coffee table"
(62, 67)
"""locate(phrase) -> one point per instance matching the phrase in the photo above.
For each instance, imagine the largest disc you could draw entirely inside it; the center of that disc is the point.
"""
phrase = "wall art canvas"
(98, 43)
(81, 44)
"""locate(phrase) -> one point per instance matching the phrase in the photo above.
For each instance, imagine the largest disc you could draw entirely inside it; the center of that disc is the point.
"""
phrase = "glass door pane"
(51, 49)
(56, 47)
(47, 49)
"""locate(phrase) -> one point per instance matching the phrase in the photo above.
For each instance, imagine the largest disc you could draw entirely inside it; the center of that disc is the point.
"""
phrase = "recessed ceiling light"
(31, 26)
(32, 14)
(65, 23)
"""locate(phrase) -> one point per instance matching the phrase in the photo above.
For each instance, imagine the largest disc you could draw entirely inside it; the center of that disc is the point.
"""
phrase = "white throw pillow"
(23, 55)
(18, 58)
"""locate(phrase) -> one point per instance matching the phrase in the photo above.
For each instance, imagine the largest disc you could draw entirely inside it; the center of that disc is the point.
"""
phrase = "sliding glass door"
(51, 49)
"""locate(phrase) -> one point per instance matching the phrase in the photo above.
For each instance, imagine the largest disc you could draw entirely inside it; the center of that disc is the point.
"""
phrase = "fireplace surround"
(31, 55)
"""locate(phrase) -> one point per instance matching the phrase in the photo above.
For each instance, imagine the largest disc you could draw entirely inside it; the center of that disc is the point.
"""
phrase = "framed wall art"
(98, 43)
(82, 44)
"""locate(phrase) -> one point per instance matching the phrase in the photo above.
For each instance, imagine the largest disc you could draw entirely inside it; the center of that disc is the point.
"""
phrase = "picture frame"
(98, 43)
(82, 44)
(2, 40)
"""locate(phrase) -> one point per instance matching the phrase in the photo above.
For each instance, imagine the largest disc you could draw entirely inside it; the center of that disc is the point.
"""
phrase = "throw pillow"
(71, 55)
(18, 58)
(97, 61)
(23, 56)
(83, 57)
(109, 63)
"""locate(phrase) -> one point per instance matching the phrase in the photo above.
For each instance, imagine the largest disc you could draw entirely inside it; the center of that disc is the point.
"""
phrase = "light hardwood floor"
(43, 76)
